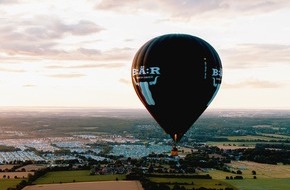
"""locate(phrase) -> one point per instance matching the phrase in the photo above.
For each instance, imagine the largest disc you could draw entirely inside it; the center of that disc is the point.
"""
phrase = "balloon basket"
(174, 151)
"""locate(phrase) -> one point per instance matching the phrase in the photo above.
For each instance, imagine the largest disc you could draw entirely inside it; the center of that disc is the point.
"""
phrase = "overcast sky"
(79, 53)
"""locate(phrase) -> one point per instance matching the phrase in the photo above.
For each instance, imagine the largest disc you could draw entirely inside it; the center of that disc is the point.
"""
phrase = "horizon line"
(114, 108)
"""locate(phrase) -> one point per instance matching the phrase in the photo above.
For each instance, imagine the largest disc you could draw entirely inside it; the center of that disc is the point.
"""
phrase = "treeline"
(196, 176)
(281, 146)
(214, 138)
(266, 156)
(147, 184)
(4, 148)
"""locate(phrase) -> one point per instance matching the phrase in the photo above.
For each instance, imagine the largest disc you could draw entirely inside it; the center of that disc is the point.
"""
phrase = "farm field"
(19, 175)
(74, 180)
(60, 177)
(75, 176)
(6, 183)
(100, 185)
(194, 183)
(269, 177)
(263, 170)
(264, 137)
(249, 141)
(11, 179)
(261, 184)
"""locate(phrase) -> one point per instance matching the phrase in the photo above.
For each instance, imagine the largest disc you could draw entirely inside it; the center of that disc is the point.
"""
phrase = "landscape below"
(224, 149)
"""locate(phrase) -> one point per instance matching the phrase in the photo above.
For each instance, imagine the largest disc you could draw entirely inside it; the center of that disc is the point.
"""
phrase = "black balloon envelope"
(176, 76)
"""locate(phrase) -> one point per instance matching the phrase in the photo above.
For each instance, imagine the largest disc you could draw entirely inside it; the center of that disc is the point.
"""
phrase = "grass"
(261, 137)
(261, 184)
(193, 183)
(251, 137)
(6, 183)
(75, 176)
(252, 140)
(275, 135)
(269, 177)
(240, 144)
(83, 176)
(263, 170)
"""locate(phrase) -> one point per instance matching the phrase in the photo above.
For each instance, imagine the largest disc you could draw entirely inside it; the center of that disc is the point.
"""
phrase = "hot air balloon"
(176, 77)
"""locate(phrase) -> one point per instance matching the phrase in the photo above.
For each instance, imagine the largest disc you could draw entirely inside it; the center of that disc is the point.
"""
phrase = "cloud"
(73, 75)
(117, 5)
(40, 35)
(45, 27)
(197, 8)
(256, 55)
(44, 37)
(253, 83)
(11, 70)
(112, 54)
(83, 27)
(255, 7)
(3, 2)
(29, 85)
(91, 54)
(87, 66)
(125, 81)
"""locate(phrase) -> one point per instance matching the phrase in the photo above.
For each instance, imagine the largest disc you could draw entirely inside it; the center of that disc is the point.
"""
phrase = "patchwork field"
(268, 177)
(101, 185)
(19, 175)
(189, 183)
(261, 184)
(6, 183)
(262, 170)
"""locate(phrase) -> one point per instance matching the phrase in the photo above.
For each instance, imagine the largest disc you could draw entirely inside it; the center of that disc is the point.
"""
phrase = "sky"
(79, 53)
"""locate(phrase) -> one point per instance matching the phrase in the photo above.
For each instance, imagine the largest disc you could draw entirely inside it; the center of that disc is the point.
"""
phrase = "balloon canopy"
(176, 76)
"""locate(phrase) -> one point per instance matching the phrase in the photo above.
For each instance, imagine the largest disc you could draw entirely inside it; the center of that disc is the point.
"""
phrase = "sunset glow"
(79, 54)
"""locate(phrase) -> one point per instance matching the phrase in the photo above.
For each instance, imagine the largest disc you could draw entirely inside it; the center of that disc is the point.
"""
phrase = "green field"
(245, 184)
(74, 176)
(6, 183)
(269, 177)
(245, 142)
(261, 184)
(63, 177)
(265, 180)
(189, 183)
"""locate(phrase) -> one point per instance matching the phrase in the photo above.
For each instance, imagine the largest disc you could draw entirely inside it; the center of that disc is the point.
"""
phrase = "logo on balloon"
(216, 77)
(145, 78)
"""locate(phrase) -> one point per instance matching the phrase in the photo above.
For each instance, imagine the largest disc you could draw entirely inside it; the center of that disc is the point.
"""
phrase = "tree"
(238, 177)
(151, 168)
(239, 172)
(176, 187)
(163, 187)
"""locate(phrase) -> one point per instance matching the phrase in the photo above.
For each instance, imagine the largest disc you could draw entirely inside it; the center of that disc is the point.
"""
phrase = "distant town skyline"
(79, 54)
